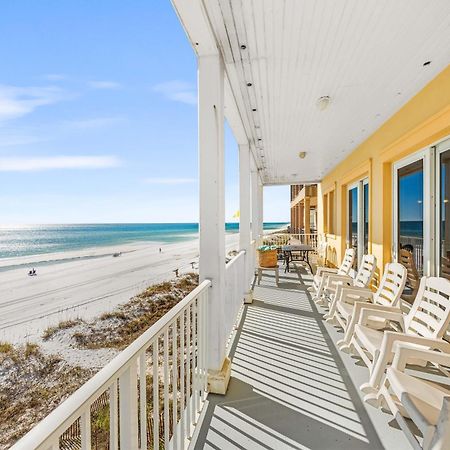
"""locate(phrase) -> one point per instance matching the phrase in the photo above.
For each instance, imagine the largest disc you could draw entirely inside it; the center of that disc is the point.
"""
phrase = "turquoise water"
(38, 239)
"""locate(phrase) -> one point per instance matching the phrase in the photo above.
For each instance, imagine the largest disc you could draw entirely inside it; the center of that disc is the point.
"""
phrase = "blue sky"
(98, 119)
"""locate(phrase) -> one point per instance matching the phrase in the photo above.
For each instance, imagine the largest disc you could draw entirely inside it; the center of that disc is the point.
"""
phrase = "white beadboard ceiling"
(366, 55)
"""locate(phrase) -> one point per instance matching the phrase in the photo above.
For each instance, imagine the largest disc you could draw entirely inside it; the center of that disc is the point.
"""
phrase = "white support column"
(260, 208)
(254, 202)
(212, 212)
(244, 216)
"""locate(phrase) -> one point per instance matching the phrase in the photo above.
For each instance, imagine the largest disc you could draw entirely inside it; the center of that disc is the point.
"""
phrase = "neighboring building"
(303, 208)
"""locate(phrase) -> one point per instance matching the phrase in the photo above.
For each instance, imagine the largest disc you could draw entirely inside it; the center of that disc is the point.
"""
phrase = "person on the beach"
(159, 249)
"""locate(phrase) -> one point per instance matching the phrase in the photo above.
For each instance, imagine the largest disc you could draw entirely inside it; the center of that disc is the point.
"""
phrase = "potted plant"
(267, 255)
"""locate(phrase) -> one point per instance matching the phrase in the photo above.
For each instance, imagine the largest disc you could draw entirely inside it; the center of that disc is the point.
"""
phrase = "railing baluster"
(166, 388)
(113, 417)
(194, 362)
(85, 428)
(128, 402)
(128, 408)
(188, 371)
(143, 399)
(174, 383)
(155, 362)
(182, 379)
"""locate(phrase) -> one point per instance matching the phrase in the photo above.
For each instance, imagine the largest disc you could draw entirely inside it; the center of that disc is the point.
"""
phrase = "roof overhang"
(367, 57)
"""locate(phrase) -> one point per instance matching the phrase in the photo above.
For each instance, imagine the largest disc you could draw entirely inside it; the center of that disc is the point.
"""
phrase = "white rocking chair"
(335, 283)
(425, 324)
(425, 402)
(352, 299)
(322, 274)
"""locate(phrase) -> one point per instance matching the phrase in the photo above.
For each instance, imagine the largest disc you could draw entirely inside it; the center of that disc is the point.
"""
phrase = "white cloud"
(169, 180)
(99, 84)
(18, 101)
(55, 77)
(32, 164)
(94, 122)
(178, 91)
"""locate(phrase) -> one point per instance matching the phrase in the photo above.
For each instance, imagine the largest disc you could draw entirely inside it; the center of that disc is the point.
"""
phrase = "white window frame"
(439, 148)
(426, 155)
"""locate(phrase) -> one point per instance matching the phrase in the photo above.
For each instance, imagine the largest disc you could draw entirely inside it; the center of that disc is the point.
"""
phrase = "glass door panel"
(353, 221)
(366, 217)
(444, 215)
(410, 214)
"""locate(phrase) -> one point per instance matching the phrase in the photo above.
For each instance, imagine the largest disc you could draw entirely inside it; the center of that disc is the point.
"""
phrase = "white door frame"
(428, 206)
(440, 148)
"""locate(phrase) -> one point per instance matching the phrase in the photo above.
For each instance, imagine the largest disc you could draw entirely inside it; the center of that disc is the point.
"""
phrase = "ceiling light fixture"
(323, 102)
(243, 47)
(302, 155)
(249, 84)
(254, 109)
(426, 63)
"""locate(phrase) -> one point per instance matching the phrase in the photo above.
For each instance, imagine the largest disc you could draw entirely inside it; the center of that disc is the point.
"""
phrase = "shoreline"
(83, 284)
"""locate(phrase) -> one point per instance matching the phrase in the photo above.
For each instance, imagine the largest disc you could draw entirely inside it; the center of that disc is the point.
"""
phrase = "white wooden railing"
(152, 392)
(235, 285)
(286, 238)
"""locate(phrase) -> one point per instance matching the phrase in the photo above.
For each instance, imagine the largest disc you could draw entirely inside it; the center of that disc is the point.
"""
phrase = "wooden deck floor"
(290, 387)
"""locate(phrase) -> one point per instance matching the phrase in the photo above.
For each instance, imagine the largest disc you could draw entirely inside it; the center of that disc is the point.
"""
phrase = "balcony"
(290, 386)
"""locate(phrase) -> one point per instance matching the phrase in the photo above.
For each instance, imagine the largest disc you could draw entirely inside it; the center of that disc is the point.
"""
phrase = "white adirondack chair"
(425, 324)
(426, 403)
(322, 273)
(335, 283)
(352, 299)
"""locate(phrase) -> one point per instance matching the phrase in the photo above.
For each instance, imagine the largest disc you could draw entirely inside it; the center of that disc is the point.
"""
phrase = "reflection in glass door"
(444, 215)
(366, 216)
(353, 221)
(410, 211)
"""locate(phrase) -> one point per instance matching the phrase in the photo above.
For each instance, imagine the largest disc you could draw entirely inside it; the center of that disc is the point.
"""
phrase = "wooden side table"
(274, 269)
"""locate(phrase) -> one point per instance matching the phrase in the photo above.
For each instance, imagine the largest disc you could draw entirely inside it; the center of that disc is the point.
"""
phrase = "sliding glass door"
(410, 211)
(358, 218)
(443, 209)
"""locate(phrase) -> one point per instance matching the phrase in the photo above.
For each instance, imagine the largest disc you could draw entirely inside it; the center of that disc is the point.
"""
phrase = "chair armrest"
(420, 348)
(361, 294)
(384, 312)
(343, 279)
(321, 271)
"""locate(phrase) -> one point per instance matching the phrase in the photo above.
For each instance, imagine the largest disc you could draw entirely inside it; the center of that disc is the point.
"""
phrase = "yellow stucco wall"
(423, 121)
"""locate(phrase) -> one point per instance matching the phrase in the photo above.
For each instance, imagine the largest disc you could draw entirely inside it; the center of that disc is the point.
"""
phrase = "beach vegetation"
(64, 325)
(5, 347)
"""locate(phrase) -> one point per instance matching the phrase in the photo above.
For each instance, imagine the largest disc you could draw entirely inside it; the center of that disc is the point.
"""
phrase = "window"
(325, 213)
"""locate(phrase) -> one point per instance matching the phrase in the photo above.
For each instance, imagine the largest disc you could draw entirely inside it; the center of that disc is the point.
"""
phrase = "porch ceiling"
(368, 57)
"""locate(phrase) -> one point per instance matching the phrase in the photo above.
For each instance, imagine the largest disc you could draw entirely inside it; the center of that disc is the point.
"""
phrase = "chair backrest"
(391, 285)
(365, 271)
(413, 279)
(430, 313)
(347, 262)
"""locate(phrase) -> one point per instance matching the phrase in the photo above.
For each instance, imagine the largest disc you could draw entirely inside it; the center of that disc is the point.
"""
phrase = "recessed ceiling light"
(426, 63)
(259, 139)
(243, 47)
(249, 84)
(302, 155)
(254, 109)
(323, 102)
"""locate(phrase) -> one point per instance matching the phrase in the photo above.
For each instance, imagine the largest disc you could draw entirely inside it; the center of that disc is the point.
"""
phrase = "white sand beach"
(84, 284)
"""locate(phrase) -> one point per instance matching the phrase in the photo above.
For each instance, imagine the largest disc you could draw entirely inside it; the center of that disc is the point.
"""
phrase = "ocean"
(30, 240)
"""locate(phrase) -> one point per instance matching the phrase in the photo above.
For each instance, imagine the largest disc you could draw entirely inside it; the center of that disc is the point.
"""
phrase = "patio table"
(304, 251)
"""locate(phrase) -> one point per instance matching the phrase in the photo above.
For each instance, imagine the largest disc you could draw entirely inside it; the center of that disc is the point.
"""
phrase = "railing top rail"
(68, 411)
(236, 257)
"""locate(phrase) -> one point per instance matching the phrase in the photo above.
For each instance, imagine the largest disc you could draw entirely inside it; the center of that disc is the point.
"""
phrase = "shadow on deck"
(290, 387)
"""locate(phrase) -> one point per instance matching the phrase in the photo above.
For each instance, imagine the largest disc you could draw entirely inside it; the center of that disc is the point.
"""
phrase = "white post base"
(218, 379)
(248, 297)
